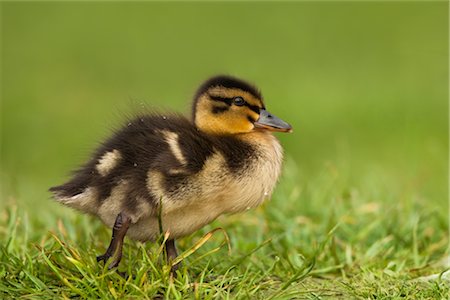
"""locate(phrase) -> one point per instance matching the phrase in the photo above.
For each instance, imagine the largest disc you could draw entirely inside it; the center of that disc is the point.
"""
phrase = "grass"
(362, 208)
(343, 245)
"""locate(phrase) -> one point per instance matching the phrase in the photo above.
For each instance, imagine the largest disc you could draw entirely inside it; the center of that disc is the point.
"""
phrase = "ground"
(346, 243)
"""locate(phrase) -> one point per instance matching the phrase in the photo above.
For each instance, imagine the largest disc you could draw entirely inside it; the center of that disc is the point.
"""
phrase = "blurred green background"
(363, 84)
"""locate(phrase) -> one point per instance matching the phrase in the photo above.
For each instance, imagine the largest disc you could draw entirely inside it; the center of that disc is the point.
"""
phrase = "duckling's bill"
(271, 122)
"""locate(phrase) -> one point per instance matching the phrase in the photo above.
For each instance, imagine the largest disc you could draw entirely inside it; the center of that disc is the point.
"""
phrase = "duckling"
(184, 172)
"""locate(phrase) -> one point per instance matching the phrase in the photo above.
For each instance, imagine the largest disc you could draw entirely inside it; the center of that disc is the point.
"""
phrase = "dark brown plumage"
(223, 161)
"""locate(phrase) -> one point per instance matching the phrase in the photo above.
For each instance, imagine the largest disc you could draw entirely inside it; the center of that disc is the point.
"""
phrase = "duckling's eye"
(239, 101)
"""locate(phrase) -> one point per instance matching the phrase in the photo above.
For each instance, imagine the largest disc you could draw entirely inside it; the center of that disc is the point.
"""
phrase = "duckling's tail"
(83, 199)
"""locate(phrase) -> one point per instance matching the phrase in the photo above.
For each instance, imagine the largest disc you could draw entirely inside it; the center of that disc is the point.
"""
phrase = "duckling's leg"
(118, 233)
(171, 251)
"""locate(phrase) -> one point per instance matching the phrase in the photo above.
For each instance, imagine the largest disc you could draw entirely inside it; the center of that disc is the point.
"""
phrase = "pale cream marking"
(172, 141)
(108, 161)
(176, 171)
(113, 205)
(85, 201)
(197, 188)
(155, 184)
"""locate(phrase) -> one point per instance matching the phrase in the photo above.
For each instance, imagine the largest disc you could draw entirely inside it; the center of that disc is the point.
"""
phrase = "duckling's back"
(165, 164)
(144, 143)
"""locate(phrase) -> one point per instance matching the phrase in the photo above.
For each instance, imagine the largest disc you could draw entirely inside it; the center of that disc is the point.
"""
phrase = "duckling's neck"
(258, 137)
(266, 144)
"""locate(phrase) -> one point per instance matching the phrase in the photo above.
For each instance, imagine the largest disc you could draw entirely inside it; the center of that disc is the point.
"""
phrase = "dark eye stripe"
(228, 101)
(255, 108)
(219, 109)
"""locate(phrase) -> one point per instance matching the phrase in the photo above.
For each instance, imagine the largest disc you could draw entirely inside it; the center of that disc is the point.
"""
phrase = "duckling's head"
(227, 105)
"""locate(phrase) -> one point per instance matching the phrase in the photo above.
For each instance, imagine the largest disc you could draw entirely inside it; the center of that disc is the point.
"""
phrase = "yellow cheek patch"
(233, 122)
(253, 115)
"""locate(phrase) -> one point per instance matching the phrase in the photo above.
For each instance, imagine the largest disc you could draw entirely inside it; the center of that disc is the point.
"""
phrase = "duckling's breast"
(256, 181)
